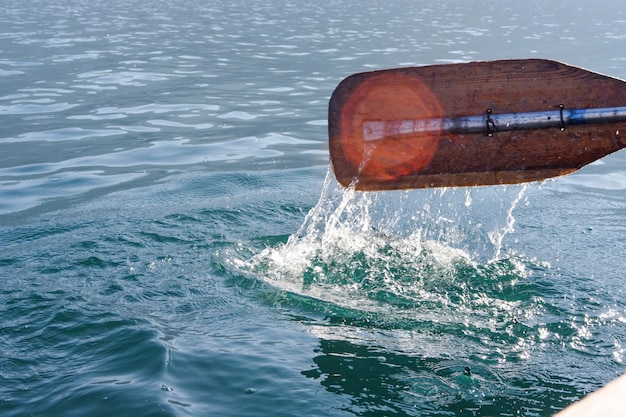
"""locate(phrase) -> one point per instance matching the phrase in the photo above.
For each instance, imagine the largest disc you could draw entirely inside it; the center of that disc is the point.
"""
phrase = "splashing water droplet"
(400, 250)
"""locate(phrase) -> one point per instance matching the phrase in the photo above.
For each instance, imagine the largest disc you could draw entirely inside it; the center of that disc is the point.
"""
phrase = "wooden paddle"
(480, 123)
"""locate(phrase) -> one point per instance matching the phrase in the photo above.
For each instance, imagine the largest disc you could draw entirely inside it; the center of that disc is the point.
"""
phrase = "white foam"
(355, 247)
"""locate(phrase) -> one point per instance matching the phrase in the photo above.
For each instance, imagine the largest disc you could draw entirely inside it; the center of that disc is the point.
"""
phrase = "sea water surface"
(173, 243)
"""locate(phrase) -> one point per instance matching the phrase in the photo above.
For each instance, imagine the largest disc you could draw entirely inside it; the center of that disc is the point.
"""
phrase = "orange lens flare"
(393, 152)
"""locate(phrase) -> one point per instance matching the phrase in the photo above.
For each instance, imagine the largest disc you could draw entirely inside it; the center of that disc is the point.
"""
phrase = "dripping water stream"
(426, 253)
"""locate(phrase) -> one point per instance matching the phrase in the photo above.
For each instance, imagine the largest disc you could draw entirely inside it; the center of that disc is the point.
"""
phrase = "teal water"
(173, 243)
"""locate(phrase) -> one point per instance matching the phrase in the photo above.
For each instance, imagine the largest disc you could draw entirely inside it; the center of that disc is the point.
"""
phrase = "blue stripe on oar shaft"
(490, 123)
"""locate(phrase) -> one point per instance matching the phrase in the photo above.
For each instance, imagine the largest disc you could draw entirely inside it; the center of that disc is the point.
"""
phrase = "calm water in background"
(171, 242)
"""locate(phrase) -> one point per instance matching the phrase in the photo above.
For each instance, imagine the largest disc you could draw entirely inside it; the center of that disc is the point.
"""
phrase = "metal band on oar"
(491, 123)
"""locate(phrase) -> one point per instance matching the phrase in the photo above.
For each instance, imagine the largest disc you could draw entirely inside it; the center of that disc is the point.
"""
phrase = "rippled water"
(172, 243)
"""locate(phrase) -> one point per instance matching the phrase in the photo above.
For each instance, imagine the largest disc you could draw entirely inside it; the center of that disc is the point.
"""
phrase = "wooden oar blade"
(408, 127)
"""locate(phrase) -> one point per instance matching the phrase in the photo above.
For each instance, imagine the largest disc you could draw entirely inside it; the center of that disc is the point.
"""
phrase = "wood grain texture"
(437, 160)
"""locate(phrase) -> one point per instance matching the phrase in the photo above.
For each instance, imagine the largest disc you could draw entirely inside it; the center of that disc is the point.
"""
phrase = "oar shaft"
(490, 123)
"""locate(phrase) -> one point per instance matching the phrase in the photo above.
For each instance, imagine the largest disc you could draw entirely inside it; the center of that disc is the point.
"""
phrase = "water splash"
(440, 249)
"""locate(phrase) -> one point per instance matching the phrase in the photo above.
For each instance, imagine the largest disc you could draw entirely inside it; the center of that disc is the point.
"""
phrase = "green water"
(173, 243)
